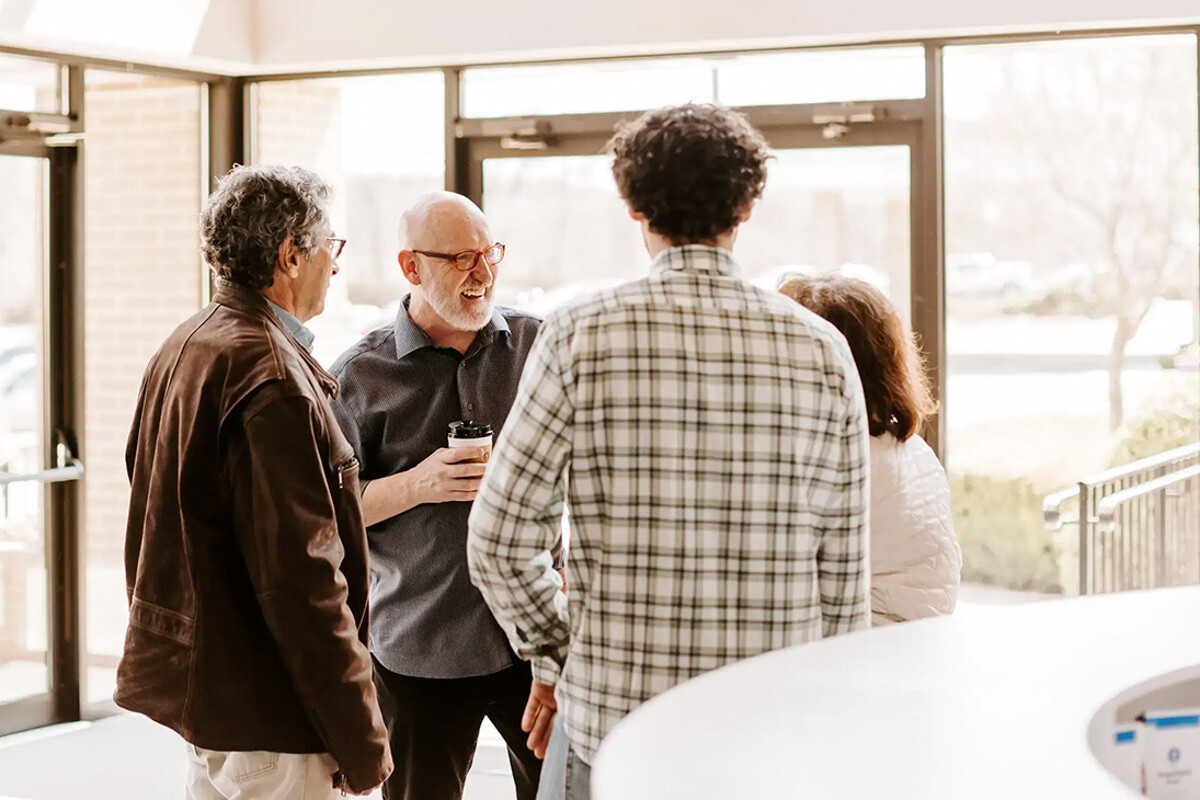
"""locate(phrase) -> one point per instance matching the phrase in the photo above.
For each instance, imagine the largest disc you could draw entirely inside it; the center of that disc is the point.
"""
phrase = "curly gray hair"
(250, 214)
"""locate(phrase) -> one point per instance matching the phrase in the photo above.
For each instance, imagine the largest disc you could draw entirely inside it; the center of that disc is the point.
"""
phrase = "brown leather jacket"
(245, 554)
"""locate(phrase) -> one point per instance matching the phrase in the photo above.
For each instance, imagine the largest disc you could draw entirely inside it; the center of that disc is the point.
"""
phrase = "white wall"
(217, 35)
(396, 31)
(271, 35)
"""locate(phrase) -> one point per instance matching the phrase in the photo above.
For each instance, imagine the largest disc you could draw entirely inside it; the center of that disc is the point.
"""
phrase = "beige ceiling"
(256, 36)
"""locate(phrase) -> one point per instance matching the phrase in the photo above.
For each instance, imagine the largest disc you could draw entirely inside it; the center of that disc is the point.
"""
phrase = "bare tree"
(1101, 141)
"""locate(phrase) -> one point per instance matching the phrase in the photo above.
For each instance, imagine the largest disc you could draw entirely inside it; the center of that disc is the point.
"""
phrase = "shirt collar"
(295, 327)
(410, 337)
(696, 259)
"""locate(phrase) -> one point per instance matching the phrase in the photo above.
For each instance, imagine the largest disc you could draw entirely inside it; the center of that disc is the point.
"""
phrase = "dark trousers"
(434, 724)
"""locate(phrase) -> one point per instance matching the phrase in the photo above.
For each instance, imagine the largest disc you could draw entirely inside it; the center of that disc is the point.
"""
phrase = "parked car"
(15, 341)
(978, 274)
(877, 278)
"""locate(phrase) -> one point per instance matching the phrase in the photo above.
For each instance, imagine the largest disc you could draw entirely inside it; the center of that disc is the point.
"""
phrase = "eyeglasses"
(465, 261)
(335, 246)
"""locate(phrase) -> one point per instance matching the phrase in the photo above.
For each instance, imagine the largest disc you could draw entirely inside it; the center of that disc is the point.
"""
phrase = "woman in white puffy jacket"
(915, 557)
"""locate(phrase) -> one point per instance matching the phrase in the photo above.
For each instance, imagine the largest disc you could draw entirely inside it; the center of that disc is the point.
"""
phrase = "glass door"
(839, 197)
(566, 230)
(37, 463)
(25, 666)
(843, 209)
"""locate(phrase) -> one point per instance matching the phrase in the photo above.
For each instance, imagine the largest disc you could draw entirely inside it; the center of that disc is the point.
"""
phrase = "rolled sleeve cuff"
(545, 670)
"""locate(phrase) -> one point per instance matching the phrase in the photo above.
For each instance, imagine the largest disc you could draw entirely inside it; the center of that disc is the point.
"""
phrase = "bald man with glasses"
(442, 663)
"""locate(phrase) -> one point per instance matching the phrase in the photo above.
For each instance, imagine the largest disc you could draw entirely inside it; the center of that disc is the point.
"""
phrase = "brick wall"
(142, 277)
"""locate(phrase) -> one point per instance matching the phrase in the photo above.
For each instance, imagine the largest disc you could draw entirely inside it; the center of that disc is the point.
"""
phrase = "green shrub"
(1004, 541)
(1172, 423)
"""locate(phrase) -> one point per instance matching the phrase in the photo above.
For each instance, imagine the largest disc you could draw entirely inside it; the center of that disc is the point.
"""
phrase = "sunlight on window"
(583, 88)
(840, 210)
(822, 76)
(1071, 281)
(379, 141)
(27, 84)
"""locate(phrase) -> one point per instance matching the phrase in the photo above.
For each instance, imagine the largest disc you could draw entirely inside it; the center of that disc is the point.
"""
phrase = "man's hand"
(538, 719)
(449, 475)
(340, 782)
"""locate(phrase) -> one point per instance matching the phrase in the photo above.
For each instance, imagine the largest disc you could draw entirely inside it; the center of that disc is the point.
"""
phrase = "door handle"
(68, 468)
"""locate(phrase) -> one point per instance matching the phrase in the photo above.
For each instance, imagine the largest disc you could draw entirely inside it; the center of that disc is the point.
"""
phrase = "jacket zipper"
(351, 464)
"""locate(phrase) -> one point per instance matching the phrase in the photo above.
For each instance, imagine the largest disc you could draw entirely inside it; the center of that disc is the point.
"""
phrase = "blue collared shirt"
(399, 393)
(295, 327)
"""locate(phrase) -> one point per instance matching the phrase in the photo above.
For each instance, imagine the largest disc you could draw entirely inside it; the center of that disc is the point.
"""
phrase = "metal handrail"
(1097, 549)
(1107, 511)
(1142, 464)
(1052, 503)
(1052, 506)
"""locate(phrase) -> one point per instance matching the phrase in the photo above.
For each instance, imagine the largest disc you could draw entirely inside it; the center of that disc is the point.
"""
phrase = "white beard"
(449, 305)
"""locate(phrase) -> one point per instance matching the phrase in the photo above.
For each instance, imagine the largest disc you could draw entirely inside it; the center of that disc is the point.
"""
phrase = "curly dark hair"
(252, 211)
(692, 170)
(889, 362)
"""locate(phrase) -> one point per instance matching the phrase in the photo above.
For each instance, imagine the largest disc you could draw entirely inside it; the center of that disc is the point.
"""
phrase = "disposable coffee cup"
(469, 433)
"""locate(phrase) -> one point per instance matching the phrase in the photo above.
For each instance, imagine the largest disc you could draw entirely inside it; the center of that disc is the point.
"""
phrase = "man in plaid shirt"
(711, 440)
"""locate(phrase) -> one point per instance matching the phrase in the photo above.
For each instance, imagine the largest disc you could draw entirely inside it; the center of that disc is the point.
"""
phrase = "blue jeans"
(553, 783)
(579, 777)
(565, 776)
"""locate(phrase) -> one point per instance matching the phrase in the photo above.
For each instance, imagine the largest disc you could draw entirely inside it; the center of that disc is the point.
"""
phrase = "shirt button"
(470, 407)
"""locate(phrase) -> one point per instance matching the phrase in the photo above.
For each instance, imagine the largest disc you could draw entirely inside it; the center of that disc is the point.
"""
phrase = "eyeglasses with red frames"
(335, 246)
(465, 261)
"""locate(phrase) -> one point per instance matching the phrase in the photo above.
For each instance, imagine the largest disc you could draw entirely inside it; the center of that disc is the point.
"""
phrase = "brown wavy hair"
(692, 171)
(889, 360)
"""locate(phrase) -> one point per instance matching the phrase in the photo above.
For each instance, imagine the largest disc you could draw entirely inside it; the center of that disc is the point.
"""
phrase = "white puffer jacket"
(915, 557)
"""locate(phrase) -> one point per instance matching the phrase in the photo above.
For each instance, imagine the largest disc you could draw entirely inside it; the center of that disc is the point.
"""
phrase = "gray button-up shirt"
(399, 392)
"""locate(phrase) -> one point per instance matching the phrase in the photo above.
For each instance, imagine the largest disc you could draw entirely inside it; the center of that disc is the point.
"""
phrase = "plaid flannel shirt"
(714, 441)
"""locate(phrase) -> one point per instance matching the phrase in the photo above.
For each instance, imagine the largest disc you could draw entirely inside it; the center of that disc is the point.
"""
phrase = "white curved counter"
(992, 703)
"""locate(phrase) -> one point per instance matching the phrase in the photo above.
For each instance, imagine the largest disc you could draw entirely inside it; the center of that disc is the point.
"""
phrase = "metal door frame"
(62, 417)
(915, 124)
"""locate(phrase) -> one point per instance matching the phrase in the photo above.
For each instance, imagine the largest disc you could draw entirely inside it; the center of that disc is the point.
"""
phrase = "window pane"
(143, 277)
(566, 229)
(568, 232)
(380, 142)
(822, 76)
(27, 84)
(1071, 279)
(24, 619)
(839, 209)
(582, 88)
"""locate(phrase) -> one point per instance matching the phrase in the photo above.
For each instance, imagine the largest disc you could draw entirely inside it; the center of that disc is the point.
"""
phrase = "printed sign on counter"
(1125, 760)
(1171, 754)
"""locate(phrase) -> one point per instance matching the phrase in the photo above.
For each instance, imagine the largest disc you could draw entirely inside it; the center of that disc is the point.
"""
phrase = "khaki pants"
(259, 775)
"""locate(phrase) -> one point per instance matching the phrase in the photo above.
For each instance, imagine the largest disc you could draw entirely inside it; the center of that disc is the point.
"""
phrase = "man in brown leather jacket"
(245, 555)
